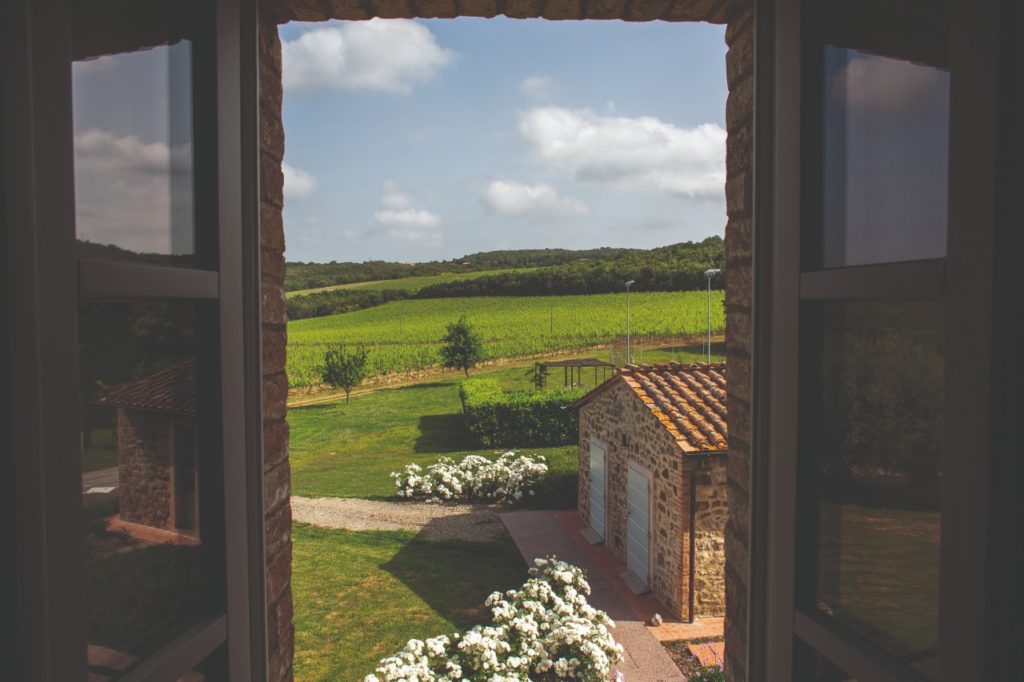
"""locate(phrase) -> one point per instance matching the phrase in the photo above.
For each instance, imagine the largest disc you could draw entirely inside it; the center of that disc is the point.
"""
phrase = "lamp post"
(709, 274)
(629, 350)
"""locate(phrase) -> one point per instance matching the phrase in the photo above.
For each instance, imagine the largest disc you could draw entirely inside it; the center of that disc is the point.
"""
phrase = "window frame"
(43, 283)
(980, 216)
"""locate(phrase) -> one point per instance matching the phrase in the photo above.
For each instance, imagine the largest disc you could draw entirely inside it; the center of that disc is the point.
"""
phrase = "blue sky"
(426, 140)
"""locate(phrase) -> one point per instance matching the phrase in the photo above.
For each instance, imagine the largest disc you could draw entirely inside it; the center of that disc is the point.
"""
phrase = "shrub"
(520, 418)
(506, 479)
(545, 630)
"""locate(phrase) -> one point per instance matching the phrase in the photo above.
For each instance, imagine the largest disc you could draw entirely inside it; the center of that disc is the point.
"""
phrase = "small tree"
(344, 368)
(461, 347)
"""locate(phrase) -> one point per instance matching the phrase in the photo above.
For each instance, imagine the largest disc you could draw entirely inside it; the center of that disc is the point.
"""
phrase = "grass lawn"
(359, 596)
(103, 453)
(348, 450)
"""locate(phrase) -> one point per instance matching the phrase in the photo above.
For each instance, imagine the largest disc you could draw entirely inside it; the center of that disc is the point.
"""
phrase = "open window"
(139, 522)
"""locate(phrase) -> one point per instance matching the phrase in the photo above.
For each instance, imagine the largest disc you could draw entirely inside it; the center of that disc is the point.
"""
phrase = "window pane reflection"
(141, 479)
(886, 158)
(879, 468)
(133, 152)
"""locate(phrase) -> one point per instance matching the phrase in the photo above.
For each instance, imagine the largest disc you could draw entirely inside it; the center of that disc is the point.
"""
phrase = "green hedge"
(517, 419)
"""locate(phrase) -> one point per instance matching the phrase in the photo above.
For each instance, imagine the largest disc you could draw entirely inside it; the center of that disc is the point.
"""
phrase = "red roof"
(172, 389)
(689, 401)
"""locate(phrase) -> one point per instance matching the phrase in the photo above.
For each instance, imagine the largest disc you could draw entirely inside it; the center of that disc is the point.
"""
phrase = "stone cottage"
(156, 449)
(652, 482)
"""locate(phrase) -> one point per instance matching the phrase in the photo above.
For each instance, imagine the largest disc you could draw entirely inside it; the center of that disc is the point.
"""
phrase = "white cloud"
(394, 199)
(408, 217)
(298, 184)
(518, 199)
(380, 54)
(133, 194)
(400, 220)
(641, 153)
(99, 150)
(538, 86)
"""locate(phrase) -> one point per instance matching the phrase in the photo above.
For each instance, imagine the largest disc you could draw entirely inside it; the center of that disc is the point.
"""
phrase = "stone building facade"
(738, 15)
(156, 449)
(668, 421)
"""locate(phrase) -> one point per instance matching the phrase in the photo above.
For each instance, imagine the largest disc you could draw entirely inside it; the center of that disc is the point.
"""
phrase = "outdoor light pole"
(629, 350)
(709, 274)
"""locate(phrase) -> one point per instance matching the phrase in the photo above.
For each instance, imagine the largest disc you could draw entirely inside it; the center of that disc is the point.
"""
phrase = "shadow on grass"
(455, 577)
(431, 384)
(444, 433)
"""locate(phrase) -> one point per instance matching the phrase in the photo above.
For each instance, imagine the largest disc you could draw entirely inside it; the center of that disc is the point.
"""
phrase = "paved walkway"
(542, 533)
(434, 521)
(102, 478)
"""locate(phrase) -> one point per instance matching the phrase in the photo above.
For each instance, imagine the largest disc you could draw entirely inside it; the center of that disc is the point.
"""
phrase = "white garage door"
(598, 465)
(638, 526)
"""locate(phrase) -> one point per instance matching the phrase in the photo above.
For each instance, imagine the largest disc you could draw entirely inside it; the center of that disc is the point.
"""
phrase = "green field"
(407, 283)
(343, 449)
(403, 335)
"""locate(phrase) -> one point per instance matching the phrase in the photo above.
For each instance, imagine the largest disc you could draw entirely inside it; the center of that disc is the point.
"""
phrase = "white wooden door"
(638, 525)
(598, 467)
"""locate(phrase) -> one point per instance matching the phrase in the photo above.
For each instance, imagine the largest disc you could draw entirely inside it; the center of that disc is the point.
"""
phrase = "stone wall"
(145, 451)
(276, 471)
(739, 295)
(711, 513)
(630, 432)
(738, 14)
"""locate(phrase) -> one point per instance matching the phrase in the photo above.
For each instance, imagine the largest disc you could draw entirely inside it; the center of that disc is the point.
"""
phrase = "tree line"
(679, 267)
(300, 275)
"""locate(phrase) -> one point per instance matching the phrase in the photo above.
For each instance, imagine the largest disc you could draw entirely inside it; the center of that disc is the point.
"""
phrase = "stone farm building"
(156, 452)
(652, 483)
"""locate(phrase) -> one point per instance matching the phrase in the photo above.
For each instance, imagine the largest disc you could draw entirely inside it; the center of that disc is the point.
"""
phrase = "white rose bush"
(508, 478)
(546, 630)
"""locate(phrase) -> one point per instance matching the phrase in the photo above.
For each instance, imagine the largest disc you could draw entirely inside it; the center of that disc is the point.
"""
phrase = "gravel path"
(444, 521)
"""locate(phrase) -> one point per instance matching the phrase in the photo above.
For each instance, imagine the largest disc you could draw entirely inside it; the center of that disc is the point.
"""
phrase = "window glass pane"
(886, 158)
(133, 149)
(142, 473)
(877, 461)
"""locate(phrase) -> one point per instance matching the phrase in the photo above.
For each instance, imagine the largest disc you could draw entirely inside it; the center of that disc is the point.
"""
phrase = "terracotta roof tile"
(172, 389)
(690, 401)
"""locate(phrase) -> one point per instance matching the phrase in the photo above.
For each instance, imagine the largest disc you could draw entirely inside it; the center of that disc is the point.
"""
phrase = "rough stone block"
(739, 107)
(561, 9)
(523, 9)
(739, 61)
(272, 265)
(429, 9)
(274, 306)
(738, 283)
(691, 10)
(275, 394)
(274, 348)
(271, 227)
(737, 337)
(271, 179)
(283, 11)
(739, 240)
(276, 487)
(478, 8)
(393, 9)
(275, 443)
(646, 10)
(353, 10)
(605, 9)
(278, 525)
